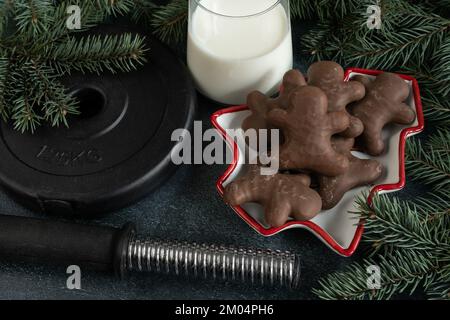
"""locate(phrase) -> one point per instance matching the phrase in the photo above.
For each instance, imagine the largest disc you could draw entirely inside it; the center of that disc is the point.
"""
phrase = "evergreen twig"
(401, 225)
(427, 164)
(170, 21)
(401, 272)
(96, 53)
(436, 109)
(36, 48)
(33, 17)
(440, 142)
(411, 246)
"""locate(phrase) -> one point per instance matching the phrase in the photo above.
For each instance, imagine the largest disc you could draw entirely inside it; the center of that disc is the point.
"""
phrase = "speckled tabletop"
(187, 207)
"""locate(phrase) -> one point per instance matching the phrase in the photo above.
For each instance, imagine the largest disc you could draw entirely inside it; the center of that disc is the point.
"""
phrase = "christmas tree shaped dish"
(338, 227)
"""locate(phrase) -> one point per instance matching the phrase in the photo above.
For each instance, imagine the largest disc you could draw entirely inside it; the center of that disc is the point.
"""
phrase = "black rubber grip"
(94, 247)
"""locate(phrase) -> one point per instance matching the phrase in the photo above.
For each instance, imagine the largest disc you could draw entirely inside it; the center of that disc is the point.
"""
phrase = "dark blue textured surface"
(187, 207)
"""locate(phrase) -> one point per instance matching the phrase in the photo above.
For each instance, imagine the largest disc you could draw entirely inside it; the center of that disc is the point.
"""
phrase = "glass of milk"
(236, 46)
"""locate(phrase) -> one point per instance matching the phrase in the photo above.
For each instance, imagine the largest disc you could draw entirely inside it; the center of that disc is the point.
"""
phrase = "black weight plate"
(116, 151)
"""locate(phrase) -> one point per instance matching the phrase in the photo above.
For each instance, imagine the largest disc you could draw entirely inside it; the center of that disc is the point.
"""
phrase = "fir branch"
(24, 116)
(441, 288)
(58, 105)
(401, 271)
(55, 103)
(440, 141)
(433, 74)
(336, 8)
(93, 13)
(170, 21)
(40, 48)
(91, 16)
(407, 33)
(303, 9)
(411, 40)
(323, 9)
(332, 37)
(144, 12)
(411, 246)
(98, 53)
(441, 68)
(394, 224)
(440, 291)
(436, 109)
(435, 208)
(33, 17)
(23, 111)
(394, 13)
(47, 19)
(114, 7)
(428, 165)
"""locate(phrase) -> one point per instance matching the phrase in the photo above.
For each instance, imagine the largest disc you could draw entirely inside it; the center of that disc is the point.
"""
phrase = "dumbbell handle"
(93, 247)
(118, 250)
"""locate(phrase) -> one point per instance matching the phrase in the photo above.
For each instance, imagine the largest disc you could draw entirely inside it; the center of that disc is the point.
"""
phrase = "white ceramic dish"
(337, 227)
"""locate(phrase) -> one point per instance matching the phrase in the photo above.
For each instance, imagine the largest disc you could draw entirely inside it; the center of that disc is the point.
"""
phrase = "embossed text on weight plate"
(67, 158)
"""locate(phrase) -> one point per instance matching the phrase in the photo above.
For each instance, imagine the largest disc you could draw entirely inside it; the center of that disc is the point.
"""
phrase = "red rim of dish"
(321, 233)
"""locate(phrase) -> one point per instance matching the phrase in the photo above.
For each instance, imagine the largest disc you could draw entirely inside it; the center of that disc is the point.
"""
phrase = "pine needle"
(411, 247)
(170, 21)
(436, 109)
(36, 49)
(95, 54)
(427, 164)
(400, 271)
(33, 17)
(392, 223)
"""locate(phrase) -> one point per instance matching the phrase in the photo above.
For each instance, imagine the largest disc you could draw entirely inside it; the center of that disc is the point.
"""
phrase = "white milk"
(231, 56)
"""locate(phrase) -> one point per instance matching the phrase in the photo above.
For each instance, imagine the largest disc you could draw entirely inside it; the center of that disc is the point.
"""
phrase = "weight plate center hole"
(91, 102)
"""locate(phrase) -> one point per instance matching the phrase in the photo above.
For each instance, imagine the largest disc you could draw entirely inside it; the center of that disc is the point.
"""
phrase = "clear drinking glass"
(236, 46)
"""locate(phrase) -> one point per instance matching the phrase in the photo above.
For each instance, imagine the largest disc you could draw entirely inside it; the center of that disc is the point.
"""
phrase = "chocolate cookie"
(307, 127)
(383, 104)
(259, 104)
(340, 143)
(282, 195)
(360, 172)
(329, 76)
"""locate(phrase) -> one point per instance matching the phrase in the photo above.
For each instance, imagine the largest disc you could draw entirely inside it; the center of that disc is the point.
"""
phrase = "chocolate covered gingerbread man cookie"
(259, 104)
(360, 172)
(329, 76)
(308, 127)
(383, 104)
(282, 195)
